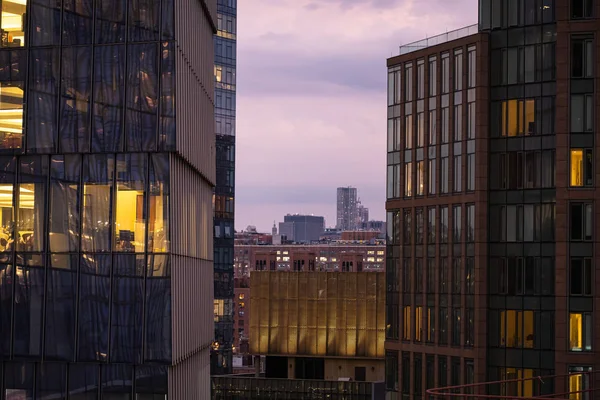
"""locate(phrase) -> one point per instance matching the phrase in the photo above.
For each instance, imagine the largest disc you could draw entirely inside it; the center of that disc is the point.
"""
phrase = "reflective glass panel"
(6, 294)
(51, 381)
(18, 381)
(45, 22)
(97, 199)
(109, 81)
(158, 309)
(142, 96)
(78, 21)
(93, 310)
(61, 296)
(28, 308)
(167, 97)
(110, 21)
(43, 87)
(127, 308)
(144, 20)
(64, 203)
(75, 99)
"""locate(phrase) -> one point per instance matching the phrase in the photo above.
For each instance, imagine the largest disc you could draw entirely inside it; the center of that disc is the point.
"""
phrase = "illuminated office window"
(13, 23)
(406, 333)
(580, 332)
(522, 388)
(12, 83)
(419, 324)
(130, 223)
(581, 173)
(517, 328)
(579, 381)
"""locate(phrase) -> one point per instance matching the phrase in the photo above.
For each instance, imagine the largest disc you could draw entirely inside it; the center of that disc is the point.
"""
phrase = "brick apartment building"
(491, 201)
(324, 257)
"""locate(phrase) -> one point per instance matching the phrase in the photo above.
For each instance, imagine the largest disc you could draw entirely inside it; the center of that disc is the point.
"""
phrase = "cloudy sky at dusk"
(311, 112)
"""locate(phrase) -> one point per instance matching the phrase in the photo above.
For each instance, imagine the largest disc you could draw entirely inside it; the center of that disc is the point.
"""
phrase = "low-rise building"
(319, 325)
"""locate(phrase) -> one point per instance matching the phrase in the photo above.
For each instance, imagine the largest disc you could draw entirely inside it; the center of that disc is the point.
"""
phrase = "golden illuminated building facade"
(491, 200)
(329, 324)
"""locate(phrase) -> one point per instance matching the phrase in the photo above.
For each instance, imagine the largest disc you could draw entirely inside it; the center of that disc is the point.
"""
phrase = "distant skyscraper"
(225, 61)
(362, 218)
(347, 208)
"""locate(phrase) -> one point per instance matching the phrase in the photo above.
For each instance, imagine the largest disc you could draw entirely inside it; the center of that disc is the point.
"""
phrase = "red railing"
(583, 385)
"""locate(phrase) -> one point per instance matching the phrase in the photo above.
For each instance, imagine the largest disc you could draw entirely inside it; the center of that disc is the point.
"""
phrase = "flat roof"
(439, 39)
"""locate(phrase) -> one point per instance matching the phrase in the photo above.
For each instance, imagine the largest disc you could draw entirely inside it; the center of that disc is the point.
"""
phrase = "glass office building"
(225, 59)
(105, 198)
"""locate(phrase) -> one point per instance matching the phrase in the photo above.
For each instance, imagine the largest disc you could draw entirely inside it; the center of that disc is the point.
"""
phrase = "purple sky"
(311, 112)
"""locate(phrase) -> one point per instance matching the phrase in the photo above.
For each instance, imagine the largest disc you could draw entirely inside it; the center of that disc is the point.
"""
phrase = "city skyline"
(330, 220)
(341, 143)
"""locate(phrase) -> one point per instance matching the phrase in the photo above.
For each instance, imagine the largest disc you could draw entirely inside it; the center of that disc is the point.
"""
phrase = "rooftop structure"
(439, 39)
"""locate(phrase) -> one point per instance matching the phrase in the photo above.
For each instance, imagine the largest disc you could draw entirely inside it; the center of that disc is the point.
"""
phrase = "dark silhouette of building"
(105, 262)
(491, 221)
(224, 192)
(302, 228)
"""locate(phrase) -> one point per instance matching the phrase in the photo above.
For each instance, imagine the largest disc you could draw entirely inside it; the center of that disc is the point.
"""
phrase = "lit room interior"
(13, 22)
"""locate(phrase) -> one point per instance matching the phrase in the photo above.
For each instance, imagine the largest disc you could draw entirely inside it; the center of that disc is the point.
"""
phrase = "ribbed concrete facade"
(193, 177)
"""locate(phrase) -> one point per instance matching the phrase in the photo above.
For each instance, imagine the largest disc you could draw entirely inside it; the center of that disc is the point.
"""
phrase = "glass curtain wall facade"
(89, 246)
(225, 103)
(522, 190)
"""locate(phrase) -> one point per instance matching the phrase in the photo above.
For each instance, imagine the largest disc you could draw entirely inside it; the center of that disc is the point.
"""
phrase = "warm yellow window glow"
(130, 226)
(576, 331)
(522, 388)
(575, 385)
(30, 217)
(576, 167)
(510, 116)
(430, 325)
(13, 23)
(219, 309)
(517, 328)
(11, 116)
(6, 217)
(579, 382)
(419, 324)
(406, 323)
